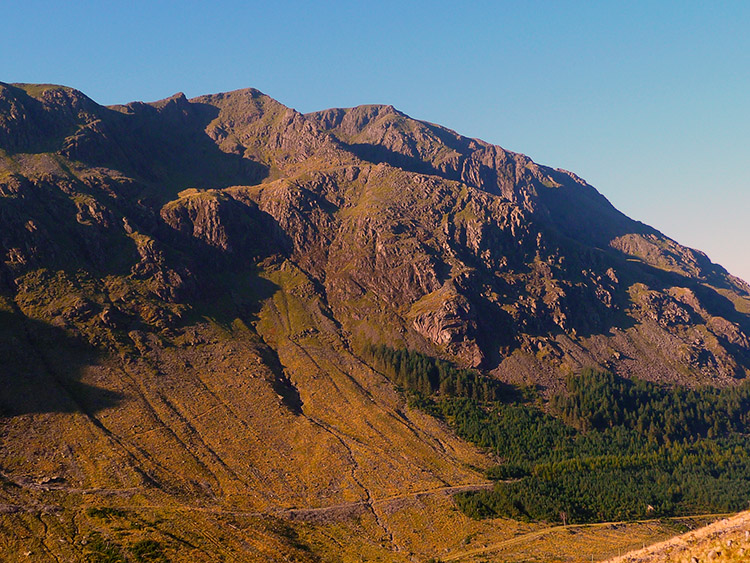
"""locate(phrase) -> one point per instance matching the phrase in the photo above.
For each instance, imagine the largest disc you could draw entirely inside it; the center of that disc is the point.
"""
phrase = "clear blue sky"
(648, 101)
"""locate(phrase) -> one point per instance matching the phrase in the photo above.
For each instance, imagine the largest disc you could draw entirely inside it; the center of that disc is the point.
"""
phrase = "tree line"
(607, 449)
(421, 374)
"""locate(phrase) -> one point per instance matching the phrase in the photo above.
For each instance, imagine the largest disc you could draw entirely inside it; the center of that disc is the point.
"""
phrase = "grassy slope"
(724, 541)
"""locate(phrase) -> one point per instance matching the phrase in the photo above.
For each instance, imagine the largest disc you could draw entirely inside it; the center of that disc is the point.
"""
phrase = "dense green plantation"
(615, 449)
(597, 400)
(422, 376)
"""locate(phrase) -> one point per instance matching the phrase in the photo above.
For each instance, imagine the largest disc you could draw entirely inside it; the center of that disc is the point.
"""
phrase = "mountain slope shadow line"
(41, 371)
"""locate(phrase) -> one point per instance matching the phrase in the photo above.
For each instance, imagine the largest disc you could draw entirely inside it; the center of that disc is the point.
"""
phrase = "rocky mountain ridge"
(187, 285)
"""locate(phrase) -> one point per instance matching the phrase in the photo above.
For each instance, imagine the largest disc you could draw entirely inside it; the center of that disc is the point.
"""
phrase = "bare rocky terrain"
(186, 288)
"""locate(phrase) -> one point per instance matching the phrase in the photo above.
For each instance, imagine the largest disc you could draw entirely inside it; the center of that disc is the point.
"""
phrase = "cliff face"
(524, 269)
(185, 286)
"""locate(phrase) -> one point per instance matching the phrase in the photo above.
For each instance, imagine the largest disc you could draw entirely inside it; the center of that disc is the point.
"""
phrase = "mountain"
(189, 289)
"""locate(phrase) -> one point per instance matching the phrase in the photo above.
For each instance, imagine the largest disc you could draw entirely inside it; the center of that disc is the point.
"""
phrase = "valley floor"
(51, 522)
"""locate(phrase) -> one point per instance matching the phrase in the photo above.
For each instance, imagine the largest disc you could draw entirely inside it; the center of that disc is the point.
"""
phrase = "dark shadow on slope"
(412, 158)
(228, 281)
(281, 384)
(711, 300)
(486, 178)
(30, 126)
(715, 304)
(494, 334)
(66, 235)
(499, 333)
(41, 366)
(573, 208)
(449, 138)
(536, 293)
(168, 146)
(165, 144)
(41, 370)
(223, 261)
(581, 213)
(377, 154)
(238, 294)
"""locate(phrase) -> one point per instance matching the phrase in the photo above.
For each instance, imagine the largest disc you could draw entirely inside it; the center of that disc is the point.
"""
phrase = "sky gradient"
(647, 101)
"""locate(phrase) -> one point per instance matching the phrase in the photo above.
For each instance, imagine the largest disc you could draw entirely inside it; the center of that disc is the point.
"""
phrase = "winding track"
(336, 511)
(316, 513)
(536, 534)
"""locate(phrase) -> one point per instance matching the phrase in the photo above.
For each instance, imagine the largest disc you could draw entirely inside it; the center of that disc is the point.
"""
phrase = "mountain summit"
(189, 287)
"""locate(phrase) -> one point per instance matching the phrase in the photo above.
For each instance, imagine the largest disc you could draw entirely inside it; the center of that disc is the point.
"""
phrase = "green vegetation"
(425, 376)
(148, 551)
(99, 550)
(105, 513)
(36, 90)
(599, 400)
(614, 450)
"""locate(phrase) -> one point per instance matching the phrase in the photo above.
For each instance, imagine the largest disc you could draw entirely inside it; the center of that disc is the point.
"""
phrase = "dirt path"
(331, 512)
(392, 502)
(537, 534)
(55, 484)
